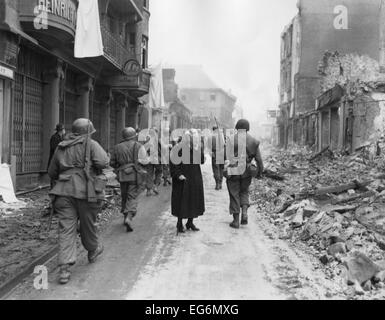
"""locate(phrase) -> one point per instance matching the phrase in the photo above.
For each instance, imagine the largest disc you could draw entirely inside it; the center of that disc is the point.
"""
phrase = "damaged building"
(311, 97)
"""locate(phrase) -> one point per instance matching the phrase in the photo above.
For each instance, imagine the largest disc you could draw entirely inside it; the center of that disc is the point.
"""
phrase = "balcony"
(135, 84)
(114, 50)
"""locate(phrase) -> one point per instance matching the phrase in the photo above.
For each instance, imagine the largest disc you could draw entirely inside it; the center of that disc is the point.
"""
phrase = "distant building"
(238, 113)
(175, 114)
(179, 116)
(204, 98)
(349, 26)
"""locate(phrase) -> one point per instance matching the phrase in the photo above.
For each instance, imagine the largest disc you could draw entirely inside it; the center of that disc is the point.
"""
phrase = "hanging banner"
(88, 37)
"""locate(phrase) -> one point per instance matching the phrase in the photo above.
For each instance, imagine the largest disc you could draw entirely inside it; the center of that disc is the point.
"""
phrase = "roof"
(193, 77)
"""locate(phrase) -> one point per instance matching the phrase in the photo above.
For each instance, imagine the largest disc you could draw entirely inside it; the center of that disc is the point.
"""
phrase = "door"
(1, 117)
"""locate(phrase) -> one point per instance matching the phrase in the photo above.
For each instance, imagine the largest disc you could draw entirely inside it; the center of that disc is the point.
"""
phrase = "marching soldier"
(127, 158)
(217, 145)
(238, 185)
(79, 190)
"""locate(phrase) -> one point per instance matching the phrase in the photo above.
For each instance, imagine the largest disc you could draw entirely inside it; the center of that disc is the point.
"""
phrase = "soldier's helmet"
(128, 133)
(243, 124)
(83, 126)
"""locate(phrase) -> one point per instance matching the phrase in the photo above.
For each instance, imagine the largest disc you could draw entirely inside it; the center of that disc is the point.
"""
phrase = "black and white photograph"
(160, 152)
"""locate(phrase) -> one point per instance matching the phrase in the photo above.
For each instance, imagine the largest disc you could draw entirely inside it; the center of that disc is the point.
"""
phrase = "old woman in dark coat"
(187, 200)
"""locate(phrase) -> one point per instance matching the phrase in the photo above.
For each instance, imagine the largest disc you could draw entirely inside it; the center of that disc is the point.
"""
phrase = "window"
(144, 52)
(213, 97)
(132, 37)
(145, 3)
(183, 97)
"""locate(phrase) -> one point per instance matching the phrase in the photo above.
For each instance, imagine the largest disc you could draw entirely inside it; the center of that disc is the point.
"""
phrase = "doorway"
(1, 118)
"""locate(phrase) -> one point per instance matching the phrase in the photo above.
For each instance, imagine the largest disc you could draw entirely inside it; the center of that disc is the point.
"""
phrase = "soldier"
(126, 158)
(154, 170)
(76, 167)
(165, 157)
(217, 146)
(238, 185)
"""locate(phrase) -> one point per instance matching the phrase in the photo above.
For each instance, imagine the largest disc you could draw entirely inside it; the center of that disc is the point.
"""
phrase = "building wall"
(202, 104)
(307, 90)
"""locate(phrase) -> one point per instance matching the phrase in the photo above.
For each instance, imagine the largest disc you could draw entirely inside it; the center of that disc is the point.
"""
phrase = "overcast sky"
(236, 41)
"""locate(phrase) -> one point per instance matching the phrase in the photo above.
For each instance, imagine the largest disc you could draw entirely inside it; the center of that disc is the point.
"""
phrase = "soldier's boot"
(220, 184)
(124, 218)
(216, 185)
(245, 218)
(235, 223)
(128, 224)
(92, 255)
(64, 274)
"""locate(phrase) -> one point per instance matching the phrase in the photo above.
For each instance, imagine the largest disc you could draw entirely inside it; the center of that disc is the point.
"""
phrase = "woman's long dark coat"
(187, 199)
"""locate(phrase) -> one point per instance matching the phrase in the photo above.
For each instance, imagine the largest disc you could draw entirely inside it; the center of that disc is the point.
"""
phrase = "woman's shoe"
(179, 228)
(191, 226)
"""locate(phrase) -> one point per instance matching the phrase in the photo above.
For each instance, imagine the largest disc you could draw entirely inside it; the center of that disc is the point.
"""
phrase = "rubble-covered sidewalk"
(25, 234)
(335, 205)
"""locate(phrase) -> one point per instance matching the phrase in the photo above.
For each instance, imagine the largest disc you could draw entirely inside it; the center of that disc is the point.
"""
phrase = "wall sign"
(6, 72)
(65, 9)
(55, 17)
(132, 67)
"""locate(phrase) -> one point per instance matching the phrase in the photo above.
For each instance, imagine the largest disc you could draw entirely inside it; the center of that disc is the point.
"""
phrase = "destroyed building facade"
(321, 27)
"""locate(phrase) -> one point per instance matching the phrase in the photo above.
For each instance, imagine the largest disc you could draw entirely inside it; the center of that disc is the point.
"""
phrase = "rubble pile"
(334, 204)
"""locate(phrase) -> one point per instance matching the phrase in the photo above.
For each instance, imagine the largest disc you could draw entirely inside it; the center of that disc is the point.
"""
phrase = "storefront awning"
(330, 97)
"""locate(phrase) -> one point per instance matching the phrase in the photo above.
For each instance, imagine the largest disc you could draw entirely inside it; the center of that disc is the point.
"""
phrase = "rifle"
(51, 212)
(91, 195)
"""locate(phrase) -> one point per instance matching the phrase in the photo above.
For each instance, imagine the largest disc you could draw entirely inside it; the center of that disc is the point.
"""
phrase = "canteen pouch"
(100, 183)
(252, 170)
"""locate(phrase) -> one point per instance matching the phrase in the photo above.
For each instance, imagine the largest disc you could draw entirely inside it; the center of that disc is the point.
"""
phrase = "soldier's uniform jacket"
(252, 151)
(67, 167)
(122, 159)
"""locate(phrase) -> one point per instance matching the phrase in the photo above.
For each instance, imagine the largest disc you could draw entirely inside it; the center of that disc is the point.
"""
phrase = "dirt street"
(215, 263)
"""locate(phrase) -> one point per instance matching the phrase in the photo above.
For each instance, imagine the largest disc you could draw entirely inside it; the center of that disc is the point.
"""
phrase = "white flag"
(88, 38)
(156, 95)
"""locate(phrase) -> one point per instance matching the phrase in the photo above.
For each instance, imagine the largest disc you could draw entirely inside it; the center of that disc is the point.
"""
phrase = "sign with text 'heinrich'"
(53, 17)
